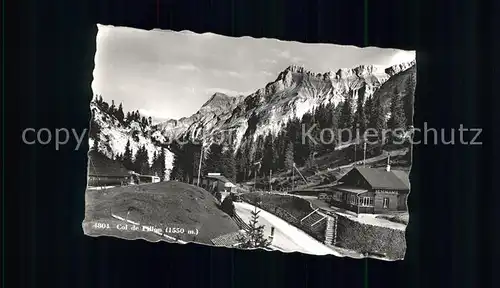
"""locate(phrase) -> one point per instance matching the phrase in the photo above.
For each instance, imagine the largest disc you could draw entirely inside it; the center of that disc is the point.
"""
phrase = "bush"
(368, 238)
(218, 196)
(228, 206)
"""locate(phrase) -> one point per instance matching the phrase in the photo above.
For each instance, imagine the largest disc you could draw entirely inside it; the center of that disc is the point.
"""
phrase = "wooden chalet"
(215, 182)
(103, 171)
(370, 190)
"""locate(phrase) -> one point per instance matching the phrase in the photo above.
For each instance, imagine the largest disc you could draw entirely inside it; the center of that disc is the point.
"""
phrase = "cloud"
(225, 73)
(287, 55)
(402, 57)
(188, 67)
(267, 73)
(269, 61)
(284, 54)
(235, 74)
(191, 90)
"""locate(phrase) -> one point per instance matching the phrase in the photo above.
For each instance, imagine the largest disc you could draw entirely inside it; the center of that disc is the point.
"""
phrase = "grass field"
(166, 204)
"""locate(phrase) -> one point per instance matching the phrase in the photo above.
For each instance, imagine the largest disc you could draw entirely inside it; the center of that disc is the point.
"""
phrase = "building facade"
(215, 182)
(370, 190)
(103, 171)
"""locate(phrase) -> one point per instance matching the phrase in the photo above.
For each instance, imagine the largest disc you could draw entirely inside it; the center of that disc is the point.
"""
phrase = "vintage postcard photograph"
(250, 143)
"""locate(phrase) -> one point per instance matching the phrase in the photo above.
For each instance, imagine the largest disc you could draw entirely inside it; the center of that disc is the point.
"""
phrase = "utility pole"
(255, 176)
(270, 185)
(293, 176)
(355, 150)
(364, 154)
(199, 166)
(255, 180)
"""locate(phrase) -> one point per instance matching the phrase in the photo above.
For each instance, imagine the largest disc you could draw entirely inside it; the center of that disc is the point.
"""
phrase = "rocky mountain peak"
(219, 101)
(395, 69)
(359, 71)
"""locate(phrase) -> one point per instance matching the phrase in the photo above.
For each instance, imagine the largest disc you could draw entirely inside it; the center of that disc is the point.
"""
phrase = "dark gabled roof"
(218, 177)
(403, 176)
(227, 240)
(100, 165)
(382, 179)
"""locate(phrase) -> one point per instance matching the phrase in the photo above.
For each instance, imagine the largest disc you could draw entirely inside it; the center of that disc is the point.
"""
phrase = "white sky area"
(169, 75)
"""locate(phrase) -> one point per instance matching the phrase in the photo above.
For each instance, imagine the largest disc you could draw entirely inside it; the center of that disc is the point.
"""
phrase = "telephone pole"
(270, 185)
(255, 181)
(199, 166)
(255, 176)
(364, 155)
(355, 150)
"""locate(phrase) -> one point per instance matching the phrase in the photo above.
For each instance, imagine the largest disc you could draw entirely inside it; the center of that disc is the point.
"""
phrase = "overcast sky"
(167, 74)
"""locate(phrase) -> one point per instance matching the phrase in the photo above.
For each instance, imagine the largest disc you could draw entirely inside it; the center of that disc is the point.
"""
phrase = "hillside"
(113, 134)
(164, 204)
(263, 125)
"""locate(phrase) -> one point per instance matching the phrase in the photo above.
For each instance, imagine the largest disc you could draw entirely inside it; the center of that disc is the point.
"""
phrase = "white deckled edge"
(118, 217)
(132, 222)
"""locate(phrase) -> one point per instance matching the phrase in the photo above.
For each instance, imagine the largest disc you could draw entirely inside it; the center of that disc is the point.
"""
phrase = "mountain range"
(295, 91)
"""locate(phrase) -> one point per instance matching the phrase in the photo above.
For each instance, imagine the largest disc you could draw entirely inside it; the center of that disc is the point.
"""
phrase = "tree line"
(139, 162)
(277, 153)
(117, 112)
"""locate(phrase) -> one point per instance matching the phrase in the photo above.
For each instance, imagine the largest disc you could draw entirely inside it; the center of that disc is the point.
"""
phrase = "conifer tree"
(289, 157)
(377, 119)
(279, 152)
(162, 167)
(119, 113)
(227, 206)
(128, 118)
(214, 162)
(141, 161)
(397, 119)
(346, 119)
(95, 147)
(361, 120)
(368, 112)
(268, 155)
(112, 108)
(254, 237)
(243, 161)
(144, 122)
(127, 156)
(229, 164)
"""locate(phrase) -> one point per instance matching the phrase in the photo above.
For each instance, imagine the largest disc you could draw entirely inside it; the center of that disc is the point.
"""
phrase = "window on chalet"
(366, 201)
(386, 202)
(337, 196)
(353, 200)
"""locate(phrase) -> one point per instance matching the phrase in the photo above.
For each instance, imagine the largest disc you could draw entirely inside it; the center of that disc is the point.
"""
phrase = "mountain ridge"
(295, 91)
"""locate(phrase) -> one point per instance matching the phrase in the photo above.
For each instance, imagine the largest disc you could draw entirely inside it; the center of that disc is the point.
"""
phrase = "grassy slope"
(163, 204)
(332, 165)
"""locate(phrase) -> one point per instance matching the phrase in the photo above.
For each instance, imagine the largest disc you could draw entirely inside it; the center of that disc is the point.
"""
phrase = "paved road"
(287, 238)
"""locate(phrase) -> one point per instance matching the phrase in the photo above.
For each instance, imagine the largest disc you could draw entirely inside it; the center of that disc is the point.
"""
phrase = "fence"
(241, 224)
(293, 216)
